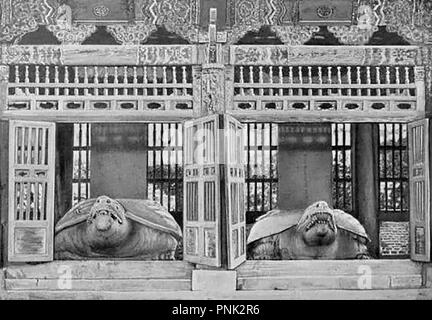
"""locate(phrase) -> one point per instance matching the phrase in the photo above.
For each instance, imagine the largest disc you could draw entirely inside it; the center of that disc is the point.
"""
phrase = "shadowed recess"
(263, 36)
(323, 38)
(41, 36)
(101, 36)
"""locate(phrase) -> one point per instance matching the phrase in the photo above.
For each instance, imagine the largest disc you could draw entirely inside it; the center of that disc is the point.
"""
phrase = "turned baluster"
(106, 80)
(251, 79)
(271, 79)
(145, 80)
(320, 80)
(369, 82)
(359, 81)
(66, 80)
(86, 90)
(26, 80)
(310, 80)
(76, 80)
(56, 81)
(174, 79)
(96, 80)
(116, 81)
(164, 80)
(281, 80)
(378, 76)
(349, 76)
(291, 80)
(184, 80)
(388, 91)
(339, 77)
(242, 92)
(398, 91)
(37, 79)
(261, 80)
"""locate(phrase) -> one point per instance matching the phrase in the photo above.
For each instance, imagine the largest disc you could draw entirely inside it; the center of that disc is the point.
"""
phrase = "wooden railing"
(162, 88)
(172, 83)
(325, 88)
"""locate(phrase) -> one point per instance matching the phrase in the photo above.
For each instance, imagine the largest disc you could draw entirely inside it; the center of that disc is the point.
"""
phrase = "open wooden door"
(31, 191)
(419, 190)
(235, 182)
(202, 212)
(214, 210)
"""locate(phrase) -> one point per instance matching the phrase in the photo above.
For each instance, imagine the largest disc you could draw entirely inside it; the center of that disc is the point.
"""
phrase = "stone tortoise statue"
(123, 228)
(317, 233)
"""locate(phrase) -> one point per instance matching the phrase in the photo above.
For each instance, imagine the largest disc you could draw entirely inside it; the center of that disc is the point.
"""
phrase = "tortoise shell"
(277, 221)
(145, 212)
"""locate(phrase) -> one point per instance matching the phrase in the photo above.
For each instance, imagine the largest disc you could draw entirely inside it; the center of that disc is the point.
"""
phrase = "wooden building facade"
(138, 71)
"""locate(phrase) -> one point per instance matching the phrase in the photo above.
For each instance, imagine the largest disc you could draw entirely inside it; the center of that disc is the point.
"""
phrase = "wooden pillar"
(4, 164)
(4, 183)
(304, 165)
(64, 169)
(366, 181)
(119, 160)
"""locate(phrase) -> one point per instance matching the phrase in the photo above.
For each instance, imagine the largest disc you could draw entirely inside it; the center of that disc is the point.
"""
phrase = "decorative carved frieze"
(131, 34)
(151, 55)
(32, 55)
(100, 55)
(325, 55)
(66, 31)
(295, 35)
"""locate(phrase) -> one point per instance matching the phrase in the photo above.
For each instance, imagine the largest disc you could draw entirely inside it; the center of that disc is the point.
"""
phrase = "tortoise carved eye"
(108, 201)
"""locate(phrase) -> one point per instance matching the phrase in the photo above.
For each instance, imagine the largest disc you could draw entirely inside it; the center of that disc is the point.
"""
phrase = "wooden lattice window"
(261, 169)
(81, 163)
(393, 190)
(342, 167)
(393, 172)
(165, 166)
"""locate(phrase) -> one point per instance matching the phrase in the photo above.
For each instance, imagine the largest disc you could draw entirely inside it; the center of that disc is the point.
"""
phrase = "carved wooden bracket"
(131, 34)
(239, 31)
(66, 31)
(411, 19)
(295, 35)
(352, 35)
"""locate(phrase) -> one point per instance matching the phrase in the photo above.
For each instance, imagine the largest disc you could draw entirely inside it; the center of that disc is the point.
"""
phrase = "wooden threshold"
(255, 280)
(334, 274)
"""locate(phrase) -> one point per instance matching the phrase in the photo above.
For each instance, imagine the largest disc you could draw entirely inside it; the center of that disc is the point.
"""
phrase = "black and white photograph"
(237, 151)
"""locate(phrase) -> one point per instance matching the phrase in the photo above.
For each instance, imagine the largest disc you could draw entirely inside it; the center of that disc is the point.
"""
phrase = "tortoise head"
(107, 222)
(317, 225)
